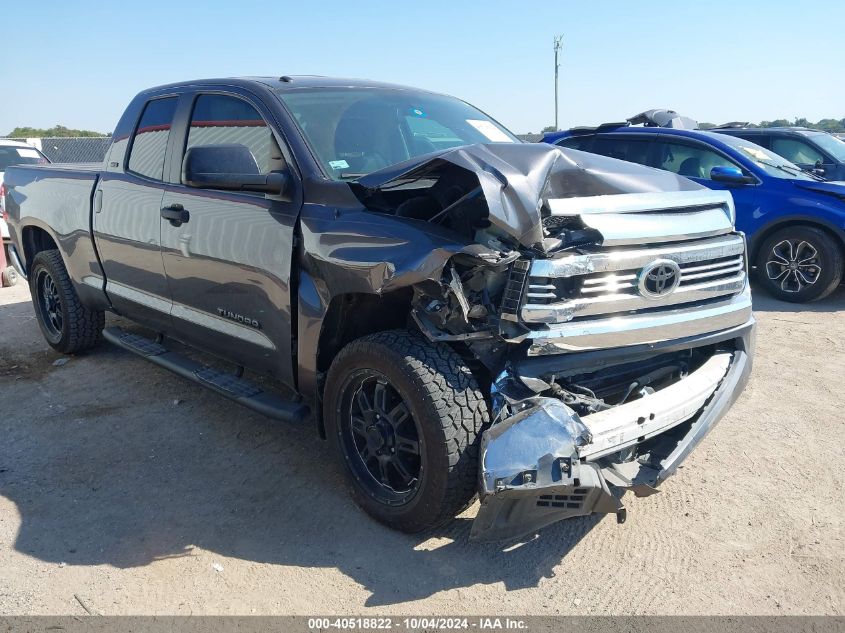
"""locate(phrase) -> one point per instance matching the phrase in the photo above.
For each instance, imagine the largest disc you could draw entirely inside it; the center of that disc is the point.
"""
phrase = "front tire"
(68, 326)
(405, 416)
(800, 264)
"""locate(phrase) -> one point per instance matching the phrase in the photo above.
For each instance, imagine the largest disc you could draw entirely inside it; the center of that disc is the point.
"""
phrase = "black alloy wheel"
(405, 417)
(67, 325)
(49, 304)
(377, 427)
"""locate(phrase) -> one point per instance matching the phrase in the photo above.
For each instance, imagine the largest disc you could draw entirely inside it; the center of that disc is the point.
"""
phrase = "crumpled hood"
(517, 179)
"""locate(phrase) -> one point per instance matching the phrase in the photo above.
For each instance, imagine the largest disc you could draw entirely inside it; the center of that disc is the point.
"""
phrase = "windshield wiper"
(348, 175)
(789, 169)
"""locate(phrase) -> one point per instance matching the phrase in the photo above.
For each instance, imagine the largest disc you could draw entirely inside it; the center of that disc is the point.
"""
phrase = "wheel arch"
(34, 239)
(760, 236)
(329, 323)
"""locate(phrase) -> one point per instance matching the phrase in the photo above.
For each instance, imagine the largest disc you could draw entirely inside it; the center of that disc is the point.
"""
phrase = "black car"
(813, 150)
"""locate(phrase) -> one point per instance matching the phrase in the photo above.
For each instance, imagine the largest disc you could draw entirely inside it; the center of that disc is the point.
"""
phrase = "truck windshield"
(831, 144)
(15, 155)
(356, 131)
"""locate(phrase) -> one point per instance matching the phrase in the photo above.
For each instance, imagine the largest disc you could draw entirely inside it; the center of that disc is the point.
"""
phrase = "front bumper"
(545, 464)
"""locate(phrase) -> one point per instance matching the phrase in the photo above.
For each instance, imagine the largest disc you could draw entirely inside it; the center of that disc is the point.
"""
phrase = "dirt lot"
(133, 491)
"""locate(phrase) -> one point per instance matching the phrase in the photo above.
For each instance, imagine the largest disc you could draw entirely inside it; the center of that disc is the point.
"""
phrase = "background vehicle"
(795, 224)
(815, 151)
(382, 252)
(12, 153)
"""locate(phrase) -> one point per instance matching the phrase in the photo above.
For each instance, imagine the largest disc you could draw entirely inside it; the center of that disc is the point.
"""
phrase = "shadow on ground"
(110, 460)
(764, 302)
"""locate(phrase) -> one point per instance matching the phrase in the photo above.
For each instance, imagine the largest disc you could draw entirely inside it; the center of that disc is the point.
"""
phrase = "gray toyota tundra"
(457, 312)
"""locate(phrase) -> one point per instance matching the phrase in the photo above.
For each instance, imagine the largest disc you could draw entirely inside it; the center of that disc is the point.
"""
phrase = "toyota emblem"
(659, 279)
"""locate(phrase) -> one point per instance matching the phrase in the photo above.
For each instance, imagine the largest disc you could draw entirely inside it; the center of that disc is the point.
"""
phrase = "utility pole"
(558, 47)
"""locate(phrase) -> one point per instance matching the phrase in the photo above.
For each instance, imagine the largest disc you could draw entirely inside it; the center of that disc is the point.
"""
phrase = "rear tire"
(800, 264)
(9, 277)
(68, 326)
(405, 416)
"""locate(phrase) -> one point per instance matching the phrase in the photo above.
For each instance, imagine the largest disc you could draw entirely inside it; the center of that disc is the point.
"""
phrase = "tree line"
(826, 125)
(52, 132)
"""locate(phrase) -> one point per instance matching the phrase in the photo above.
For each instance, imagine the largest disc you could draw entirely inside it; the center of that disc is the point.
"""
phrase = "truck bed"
(58, 199)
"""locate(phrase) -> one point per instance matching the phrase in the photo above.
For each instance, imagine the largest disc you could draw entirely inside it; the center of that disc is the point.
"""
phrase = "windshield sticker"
(338, 164)
(416, 112)
(490, 131)
(756, 153)
(28, 153)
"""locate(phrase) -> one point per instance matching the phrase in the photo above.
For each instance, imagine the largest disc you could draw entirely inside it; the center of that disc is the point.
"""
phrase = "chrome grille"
(578, 287)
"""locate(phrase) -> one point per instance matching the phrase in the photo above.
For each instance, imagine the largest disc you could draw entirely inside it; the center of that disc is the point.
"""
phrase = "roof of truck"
(290, 82)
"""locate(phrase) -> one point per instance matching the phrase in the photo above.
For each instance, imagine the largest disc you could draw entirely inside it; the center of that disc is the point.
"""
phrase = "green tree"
(58, 130)
(548, 128)
(830, 125)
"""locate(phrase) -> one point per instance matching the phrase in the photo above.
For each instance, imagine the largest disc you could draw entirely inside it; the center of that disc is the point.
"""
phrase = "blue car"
(794, 221)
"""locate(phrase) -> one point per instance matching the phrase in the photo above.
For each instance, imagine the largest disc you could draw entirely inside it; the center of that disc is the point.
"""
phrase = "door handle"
(176, 214)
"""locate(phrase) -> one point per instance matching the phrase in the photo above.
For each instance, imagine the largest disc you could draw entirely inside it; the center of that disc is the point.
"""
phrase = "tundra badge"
(238, 318)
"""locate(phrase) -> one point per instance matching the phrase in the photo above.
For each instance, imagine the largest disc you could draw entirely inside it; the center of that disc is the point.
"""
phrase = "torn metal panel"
(531, 475)
(636, 218)
(546, 463)
(544, 431)
(629, 423)
(518, 179)
(357, 251)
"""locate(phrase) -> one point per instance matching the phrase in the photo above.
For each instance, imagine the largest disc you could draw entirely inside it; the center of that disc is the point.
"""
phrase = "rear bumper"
(545, 463)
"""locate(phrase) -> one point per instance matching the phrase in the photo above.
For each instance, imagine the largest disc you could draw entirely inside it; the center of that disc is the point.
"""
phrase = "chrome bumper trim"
(619, 302)
(620, 331)
(701, 251)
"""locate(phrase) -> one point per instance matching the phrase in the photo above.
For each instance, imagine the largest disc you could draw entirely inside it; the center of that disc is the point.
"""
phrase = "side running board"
(238, 389)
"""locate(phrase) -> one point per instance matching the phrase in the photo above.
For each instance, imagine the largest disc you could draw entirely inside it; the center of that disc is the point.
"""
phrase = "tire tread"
(459, 404)
(83, 326)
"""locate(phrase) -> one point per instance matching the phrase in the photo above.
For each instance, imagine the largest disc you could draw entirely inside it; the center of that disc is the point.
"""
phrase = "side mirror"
(230, 166)
(731, 175)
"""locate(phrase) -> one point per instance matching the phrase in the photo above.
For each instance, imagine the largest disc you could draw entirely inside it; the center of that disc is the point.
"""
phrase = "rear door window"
(760, 139)
(146, 158)
(633, 150)
(692, 161)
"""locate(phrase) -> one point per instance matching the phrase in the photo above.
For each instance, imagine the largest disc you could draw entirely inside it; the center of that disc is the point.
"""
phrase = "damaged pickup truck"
(459, 313)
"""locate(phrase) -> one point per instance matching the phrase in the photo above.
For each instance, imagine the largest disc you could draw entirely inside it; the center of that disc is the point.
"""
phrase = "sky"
(78, 63)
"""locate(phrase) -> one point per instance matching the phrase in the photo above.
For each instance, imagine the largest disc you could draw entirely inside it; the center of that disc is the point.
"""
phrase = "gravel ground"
(131, 491)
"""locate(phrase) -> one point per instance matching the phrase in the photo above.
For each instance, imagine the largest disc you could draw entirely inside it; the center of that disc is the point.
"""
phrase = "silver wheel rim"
(793, 265)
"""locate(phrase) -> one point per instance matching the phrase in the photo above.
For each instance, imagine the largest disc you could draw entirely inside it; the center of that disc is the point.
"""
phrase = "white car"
(14, 153)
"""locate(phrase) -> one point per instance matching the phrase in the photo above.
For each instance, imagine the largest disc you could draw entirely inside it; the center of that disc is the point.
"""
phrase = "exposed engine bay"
(580, 286)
